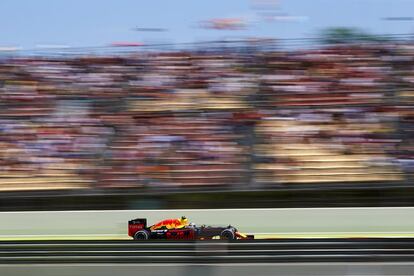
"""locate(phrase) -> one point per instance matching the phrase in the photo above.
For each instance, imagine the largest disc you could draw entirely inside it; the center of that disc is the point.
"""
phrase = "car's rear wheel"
(141, 235)
(228, 234)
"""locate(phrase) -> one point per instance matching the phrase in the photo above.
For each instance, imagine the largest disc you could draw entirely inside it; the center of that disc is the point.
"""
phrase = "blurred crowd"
(241, 119)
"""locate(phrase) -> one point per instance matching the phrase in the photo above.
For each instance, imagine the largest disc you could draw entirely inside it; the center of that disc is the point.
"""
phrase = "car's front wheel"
(228, 234)
(141, 235)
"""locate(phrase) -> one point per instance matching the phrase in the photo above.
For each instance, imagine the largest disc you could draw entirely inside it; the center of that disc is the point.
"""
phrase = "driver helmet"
(183, 220)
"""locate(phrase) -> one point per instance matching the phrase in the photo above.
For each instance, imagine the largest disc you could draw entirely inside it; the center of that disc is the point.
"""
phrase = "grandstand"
(207, 119)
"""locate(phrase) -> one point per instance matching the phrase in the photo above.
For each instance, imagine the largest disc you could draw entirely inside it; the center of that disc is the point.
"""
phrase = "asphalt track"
(208, 252)
(368, 256)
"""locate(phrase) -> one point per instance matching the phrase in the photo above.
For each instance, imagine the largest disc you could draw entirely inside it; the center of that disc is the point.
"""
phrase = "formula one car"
(138, 229)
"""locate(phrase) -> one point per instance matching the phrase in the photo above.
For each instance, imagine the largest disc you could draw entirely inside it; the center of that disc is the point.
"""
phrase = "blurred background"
(120, 105)
(242, 112)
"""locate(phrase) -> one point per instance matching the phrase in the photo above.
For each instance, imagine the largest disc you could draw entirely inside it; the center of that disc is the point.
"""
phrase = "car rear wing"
(135, 225)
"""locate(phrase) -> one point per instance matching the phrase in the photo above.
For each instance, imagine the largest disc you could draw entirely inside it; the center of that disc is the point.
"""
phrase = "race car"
(138, 230)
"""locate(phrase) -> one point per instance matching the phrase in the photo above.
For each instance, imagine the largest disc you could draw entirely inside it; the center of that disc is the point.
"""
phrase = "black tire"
(228, 234)
(141, 235)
